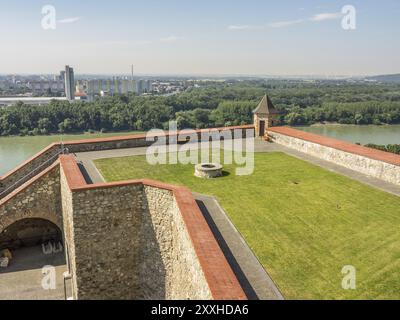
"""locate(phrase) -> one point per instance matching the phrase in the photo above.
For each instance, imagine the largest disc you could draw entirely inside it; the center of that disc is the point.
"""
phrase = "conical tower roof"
(266, 106)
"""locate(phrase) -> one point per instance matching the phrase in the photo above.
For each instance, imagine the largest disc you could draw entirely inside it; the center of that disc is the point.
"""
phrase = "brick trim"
(374, 154)
(143, 136)
(220, 278)
(72, 172)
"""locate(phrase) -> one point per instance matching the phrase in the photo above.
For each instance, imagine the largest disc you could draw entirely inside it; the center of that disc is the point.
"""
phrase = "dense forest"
(217, 104)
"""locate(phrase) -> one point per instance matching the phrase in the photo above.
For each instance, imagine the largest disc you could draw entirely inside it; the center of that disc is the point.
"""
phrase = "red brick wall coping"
(221, 280)
(340, 145)
(144, 135)
(109, 139)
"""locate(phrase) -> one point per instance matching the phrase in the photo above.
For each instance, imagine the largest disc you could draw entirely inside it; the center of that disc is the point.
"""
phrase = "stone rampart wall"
(140, 239)
(174, 265)
(137, 239)
(375, 168)
(49, 155)
(106, 242)
(132, 244)
(68, 231)
(38, 199)
(28, 169)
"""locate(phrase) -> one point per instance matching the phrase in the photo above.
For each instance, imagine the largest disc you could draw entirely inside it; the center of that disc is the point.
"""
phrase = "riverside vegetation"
(212, 105)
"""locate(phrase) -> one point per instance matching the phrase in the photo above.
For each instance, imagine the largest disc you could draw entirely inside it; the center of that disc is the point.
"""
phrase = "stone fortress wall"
(174, 265)
(143, 239)
(131, 240)
(49, 155)
(27, 170)
(140, 240)
(40, 198)
(376, 163)
(371, 162)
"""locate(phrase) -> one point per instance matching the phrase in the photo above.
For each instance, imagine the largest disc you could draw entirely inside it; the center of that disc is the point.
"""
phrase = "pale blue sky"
(201, 37)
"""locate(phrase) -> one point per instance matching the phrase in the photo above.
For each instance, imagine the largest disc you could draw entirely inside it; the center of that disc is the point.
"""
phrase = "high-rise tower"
(69, 83)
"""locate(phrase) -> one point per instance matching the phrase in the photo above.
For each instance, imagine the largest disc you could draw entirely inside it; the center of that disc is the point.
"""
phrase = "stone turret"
(265, 116)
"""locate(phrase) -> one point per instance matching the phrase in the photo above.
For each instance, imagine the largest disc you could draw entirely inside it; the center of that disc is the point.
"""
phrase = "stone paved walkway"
(22, 280)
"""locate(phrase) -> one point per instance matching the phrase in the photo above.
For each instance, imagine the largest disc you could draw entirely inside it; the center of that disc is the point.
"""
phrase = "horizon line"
(216, 75)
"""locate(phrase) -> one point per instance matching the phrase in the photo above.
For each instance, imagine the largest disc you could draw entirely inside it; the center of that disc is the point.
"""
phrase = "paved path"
(253, 278)
(22, 280)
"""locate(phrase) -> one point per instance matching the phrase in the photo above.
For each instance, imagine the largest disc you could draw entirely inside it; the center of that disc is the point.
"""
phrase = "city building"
(111, 86)
(62, 75)
(44, 86)
(144, 86)
(69, 83)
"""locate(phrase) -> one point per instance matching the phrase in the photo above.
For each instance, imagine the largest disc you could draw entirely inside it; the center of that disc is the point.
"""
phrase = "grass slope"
(304, 223)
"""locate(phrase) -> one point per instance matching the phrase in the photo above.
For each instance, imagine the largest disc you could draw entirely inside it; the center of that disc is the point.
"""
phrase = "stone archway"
(29, 232)
(44, 213)
(32, 245)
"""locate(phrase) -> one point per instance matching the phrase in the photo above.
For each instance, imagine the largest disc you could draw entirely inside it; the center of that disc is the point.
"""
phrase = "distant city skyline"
(249, 38)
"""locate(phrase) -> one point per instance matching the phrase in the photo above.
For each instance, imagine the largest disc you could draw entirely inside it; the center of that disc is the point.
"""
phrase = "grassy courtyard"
(303, 223)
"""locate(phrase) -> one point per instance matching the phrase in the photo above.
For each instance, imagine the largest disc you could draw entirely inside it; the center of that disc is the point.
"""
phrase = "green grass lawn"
(303, 223)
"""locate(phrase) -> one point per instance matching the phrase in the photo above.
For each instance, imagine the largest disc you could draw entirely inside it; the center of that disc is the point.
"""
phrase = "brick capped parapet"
(339, 145)
(16, 177)
(37, 198)
(379, 164)
(139, 216)
(28, 169)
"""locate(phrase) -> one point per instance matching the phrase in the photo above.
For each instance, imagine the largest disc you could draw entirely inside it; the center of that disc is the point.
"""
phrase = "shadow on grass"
(225, 173)
(237, 270)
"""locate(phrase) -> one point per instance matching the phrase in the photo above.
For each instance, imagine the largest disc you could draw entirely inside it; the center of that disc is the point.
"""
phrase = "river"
(15, 150)
(385, 134)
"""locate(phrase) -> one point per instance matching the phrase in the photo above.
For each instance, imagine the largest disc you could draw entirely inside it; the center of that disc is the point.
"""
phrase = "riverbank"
(15, 149)
(71, 135)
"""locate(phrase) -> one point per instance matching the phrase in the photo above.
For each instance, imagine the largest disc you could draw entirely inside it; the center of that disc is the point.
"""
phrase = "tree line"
(214, 105)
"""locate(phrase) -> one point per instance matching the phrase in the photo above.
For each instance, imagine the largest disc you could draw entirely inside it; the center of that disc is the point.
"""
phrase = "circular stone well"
(208, 170)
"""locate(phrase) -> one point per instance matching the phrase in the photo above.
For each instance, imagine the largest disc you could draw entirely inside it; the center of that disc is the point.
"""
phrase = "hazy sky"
(266, 37)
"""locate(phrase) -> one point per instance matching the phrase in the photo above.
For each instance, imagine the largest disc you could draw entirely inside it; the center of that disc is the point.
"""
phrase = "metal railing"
(33, 172)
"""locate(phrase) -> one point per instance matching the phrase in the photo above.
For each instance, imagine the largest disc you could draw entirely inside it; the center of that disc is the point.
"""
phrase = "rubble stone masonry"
(137, 247)
(174, 264)
(375, 163)
(40, 198)
(49, 155)
(135, 240)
